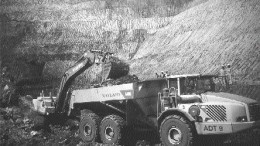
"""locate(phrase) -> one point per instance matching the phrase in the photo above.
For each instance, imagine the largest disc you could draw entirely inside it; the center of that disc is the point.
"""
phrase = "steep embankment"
(198, 40)
(203, 38)
(52, 34)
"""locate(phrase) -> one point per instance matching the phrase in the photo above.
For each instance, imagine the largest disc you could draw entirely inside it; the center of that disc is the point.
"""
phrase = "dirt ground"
(20, 126)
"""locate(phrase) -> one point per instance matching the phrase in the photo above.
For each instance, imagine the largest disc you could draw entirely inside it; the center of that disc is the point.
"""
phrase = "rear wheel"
(88, 128)
(175, 130)
(111, 129)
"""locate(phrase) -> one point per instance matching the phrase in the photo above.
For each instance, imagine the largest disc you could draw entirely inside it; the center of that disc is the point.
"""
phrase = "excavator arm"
(83, 63)
(88, 59)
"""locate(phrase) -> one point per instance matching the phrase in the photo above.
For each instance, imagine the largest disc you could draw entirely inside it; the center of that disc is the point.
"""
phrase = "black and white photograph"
(130, 72)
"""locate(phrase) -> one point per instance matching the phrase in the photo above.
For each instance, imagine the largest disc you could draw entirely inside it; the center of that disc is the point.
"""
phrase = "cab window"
(173, 83)
(187, 86)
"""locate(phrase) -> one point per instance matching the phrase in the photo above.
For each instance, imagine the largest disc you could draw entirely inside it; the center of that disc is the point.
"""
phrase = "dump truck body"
(117, 92)
(219, 113)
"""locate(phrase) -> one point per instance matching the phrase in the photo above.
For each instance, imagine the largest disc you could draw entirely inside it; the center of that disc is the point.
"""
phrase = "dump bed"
(143, 94)
(142, 89)
(117, 92)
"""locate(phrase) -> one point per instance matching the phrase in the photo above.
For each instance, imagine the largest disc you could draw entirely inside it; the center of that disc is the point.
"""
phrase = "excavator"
(57, 105)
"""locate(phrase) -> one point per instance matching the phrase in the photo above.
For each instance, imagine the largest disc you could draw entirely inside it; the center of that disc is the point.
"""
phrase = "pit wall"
(32, 29)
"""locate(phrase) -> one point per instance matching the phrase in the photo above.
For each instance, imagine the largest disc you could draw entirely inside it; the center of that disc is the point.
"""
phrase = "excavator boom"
(85, 61)
(88, 59)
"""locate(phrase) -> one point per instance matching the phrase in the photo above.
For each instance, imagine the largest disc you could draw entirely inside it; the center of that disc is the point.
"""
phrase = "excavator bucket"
(114, 69)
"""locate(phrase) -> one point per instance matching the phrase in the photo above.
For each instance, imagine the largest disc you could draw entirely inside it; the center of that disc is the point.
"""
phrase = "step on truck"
(177, 108)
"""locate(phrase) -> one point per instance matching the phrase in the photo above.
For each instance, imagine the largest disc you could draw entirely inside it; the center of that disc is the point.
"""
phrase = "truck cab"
(200, 100)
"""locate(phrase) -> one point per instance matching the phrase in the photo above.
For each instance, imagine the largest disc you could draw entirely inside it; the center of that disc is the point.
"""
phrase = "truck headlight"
(242, 119)
(194, 111)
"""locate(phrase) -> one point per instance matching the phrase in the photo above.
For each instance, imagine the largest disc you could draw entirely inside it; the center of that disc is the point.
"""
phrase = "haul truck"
(176, 107)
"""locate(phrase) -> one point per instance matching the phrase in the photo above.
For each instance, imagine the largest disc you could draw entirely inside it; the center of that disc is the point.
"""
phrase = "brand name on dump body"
(111, 95)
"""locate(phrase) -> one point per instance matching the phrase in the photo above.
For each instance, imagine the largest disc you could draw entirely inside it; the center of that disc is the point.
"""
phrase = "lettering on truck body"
(213, 128)
(111, 95)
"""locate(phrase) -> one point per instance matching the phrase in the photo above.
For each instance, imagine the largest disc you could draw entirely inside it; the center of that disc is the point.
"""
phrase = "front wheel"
(175, 130)
(111, 129)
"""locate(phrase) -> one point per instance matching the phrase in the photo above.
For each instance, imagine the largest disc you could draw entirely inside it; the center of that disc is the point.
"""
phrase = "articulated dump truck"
(177, 108)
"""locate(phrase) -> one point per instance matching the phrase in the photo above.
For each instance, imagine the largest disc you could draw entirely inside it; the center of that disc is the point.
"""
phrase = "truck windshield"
(205, 84)
(196, 85)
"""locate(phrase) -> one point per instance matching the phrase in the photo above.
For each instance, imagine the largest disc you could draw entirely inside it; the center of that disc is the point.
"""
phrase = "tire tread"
(120, 122)
(93, 117)
(186, 122)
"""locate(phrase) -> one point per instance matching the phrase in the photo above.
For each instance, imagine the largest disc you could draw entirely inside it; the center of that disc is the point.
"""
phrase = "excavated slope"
(203, 38)
(54, 33)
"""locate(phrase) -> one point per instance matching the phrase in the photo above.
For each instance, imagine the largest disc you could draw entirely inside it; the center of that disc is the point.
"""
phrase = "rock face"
(33, 29)
(42, 38)
(180, 36)
(202, 39)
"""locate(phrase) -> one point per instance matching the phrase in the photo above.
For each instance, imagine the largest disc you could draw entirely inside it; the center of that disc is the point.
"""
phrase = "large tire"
(89, 127)
(111, 129)
(176, 130)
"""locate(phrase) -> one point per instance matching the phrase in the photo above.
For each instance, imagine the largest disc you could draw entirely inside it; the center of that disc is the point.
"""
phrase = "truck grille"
(254, 110)
(216, 112)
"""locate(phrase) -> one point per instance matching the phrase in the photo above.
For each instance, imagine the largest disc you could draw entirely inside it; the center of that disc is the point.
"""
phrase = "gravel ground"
(18, 127)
